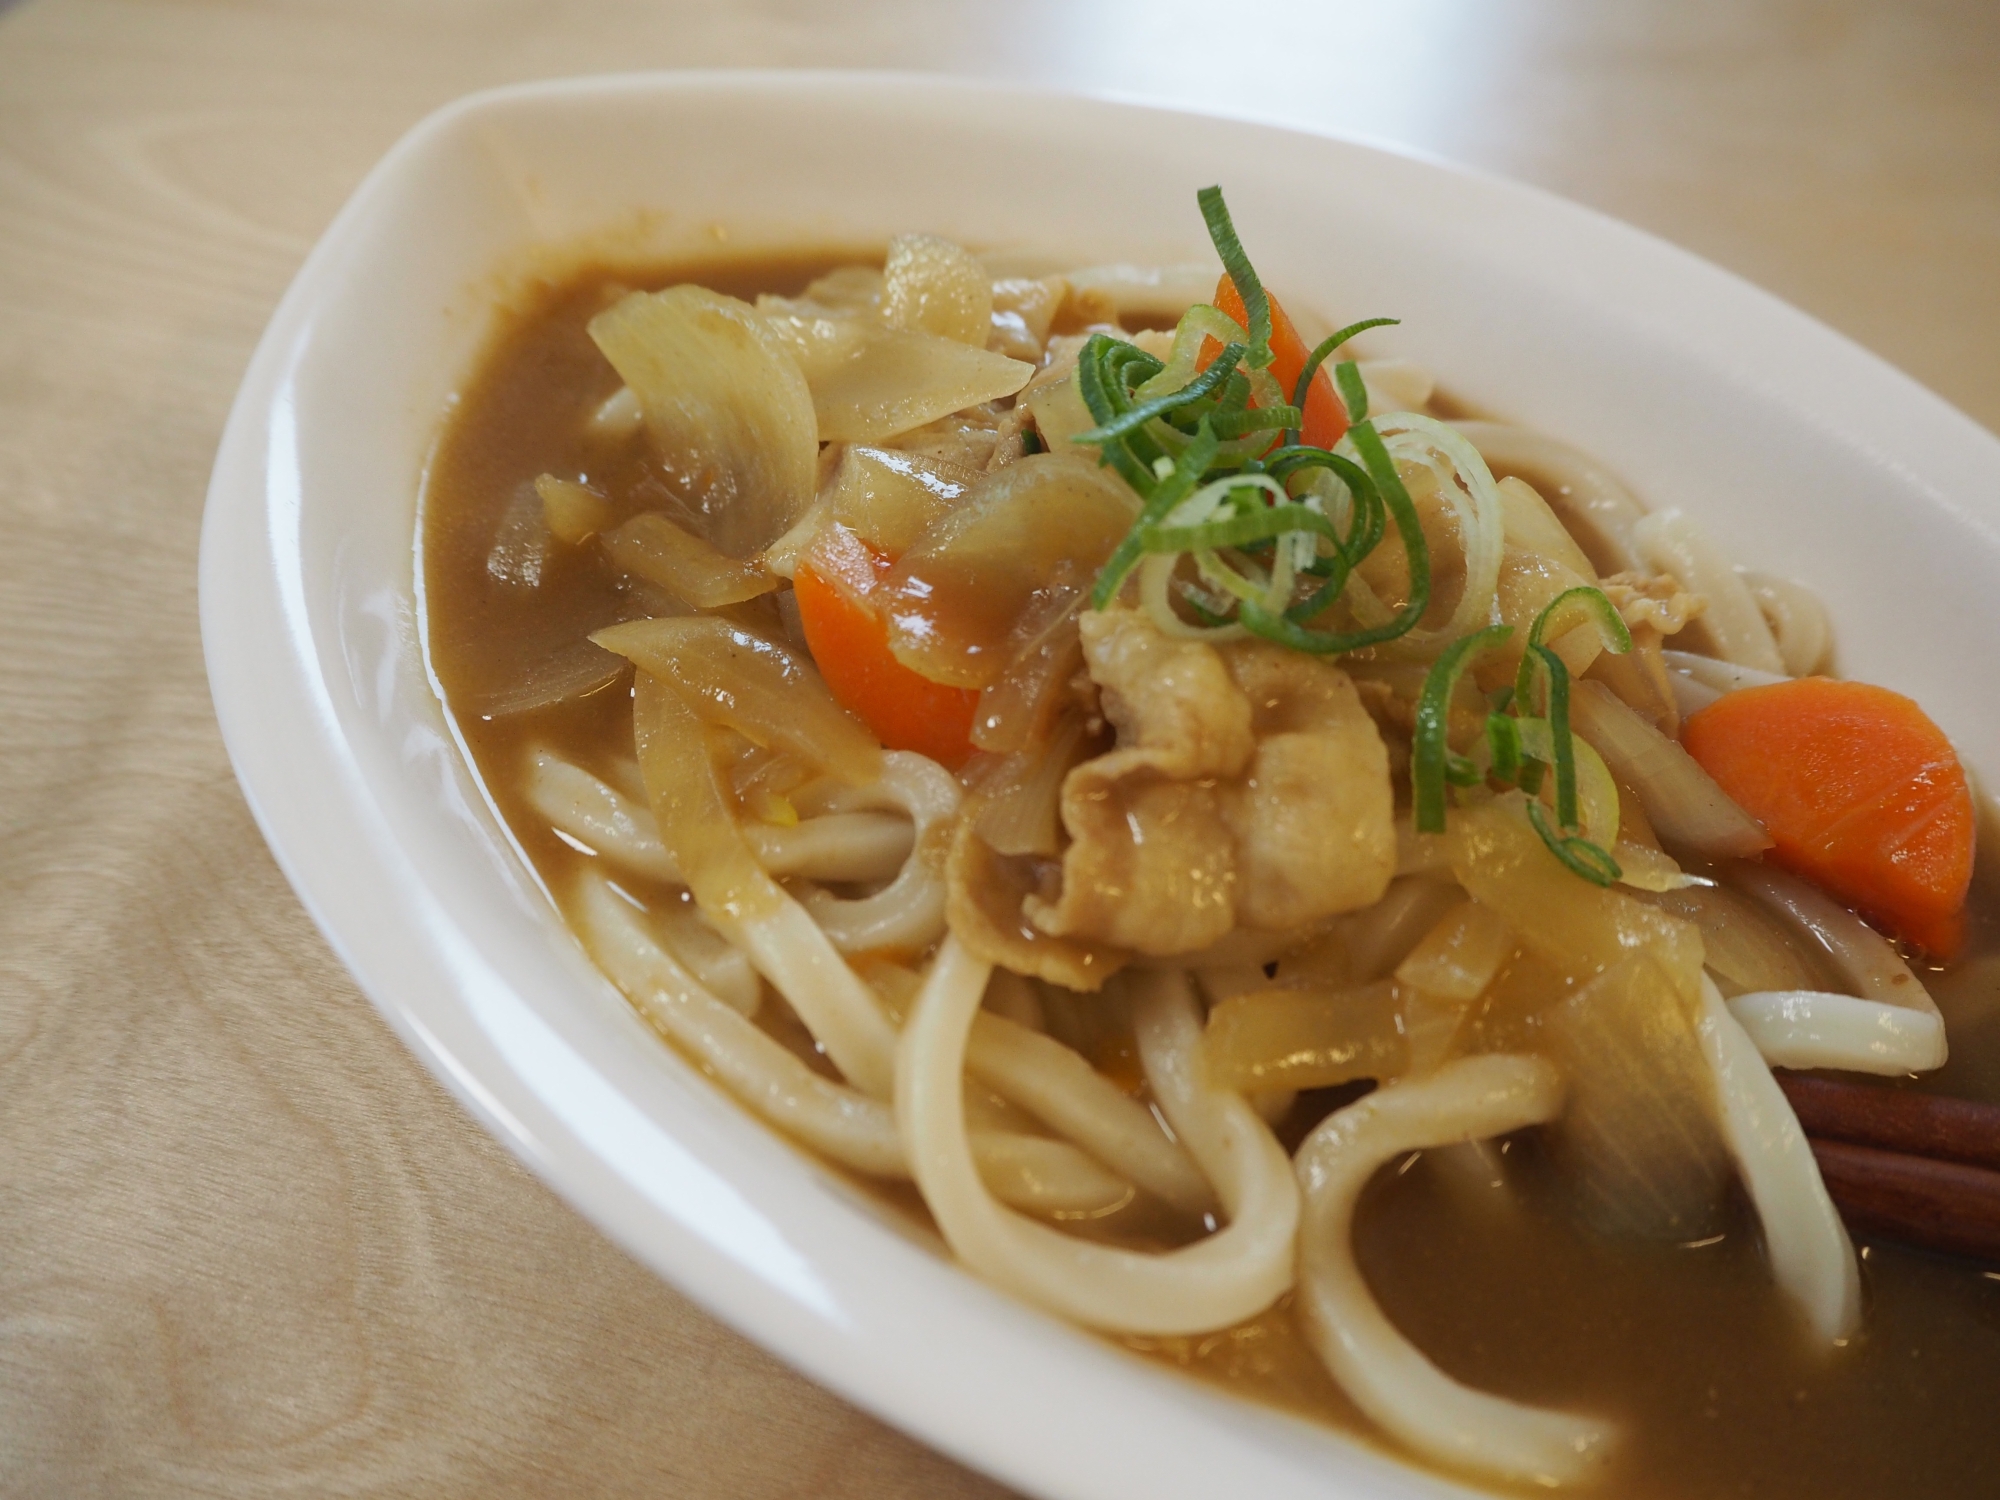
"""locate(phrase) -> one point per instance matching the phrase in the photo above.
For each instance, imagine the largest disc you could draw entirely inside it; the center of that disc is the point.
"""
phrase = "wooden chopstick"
(1906, 1166)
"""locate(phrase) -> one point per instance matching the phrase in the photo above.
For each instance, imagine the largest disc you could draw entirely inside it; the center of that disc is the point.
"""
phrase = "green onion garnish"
(1222, 232)
(1161, 498)
(1131, 418)
(1579, 854)
(1565, 749)
(1353, 391)
(1430, 748)
(1326, 347)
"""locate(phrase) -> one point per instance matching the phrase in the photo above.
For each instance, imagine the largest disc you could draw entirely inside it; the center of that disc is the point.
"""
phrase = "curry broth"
(1688, 1347)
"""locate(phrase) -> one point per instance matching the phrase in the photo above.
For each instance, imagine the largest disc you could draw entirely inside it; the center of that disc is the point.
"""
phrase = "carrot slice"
(1861, 793)
(849, 642)
(1325, 416)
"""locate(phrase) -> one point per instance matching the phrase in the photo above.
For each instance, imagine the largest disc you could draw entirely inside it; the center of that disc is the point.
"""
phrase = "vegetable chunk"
(1861, 793)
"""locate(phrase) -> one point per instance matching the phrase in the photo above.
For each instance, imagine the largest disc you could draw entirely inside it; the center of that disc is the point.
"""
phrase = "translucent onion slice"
(1860, 955)
(952, 600)
(651, 547)
(1682, 801)
(568, 672)
(1458, 958)
(1745, 944)
(1638, 1142)
(869, 382)
(931, 285)
(1811, 1256)
(1281, 1038)
(1579, 929)
(1387, 1376)
(573, 512)
(1811, 1029)
(889, 498)
(726, 405)
(766, 693)
(1147, 292)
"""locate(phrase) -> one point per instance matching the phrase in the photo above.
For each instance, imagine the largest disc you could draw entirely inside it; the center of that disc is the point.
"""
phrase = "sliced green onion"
(1258, 525)
(1353, 390)
(1389, 486)
(1503, 741)
(1563, 751)
(1233, 424)
(1135, 417)
(1222, 231)
(1326, 347)
(1577, 606)
(1575, 851)
(1160, 500)
(1430, 748)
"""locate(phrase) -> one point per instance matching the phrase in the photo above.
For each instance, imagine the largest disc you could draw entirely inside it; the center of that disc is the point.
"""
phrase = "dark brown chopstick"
(1896, 1119)
(1905, 1166)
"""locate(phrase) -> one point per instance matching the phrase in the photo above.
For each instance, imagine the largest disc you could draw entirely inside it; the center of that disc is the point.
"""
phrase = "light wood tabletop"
(247, 1246)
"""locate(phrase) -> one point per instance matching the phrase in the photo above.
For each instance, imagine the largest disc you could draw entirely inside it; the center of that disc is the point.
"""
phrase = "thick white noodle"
(1059, 1088)
(1860, 954)
(1811, 1256)
(1671, 542)
(1797, 619)
(722, 967)
(847, 1127)
(1809, 1029)
(1387, 1376)
(1232, 1275)
(908, 913)
(1594, 507)
(856, 846)
(844, 1015)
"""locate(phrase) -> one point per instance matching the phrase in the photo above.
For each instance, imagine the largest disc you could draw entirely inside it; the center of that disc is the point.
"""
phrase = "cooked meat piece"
(1248, 787)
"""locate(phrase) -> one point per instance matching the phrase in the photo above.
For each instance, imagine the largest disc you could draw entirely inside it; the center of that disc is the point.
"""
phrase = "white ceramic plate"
(1802, 453)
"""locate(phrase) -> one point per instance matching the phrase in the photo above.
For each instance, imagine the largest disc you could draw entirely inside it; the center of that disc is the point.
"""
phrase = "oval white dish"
(1802, 453)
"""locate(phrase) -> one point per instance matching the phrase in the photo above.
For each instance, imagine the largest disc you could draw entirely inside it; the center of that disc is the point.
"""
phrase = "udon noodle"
(1065, 746)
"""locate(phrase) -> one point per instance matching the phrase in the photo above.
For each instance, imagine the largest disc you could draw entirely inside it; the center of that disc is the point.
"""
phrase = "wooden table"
(246, 1245)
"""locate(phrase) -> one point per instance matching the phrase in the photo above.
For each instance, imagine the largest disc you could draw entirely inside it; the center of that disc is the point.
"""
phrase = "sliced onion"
(1637, 1142)
(888, 498)
(573, 671)
(727, 408)
(1580, 929)
(651, 547)
(766, 693)
(869, 383)
(1280, 1038)
(953, 599)
(934, 286)
(1682, 801)
(1861, 955)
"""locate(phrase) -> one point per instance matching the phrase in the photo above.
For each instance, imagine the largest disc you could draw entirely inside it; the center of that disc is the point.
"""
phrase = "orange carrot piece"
(849, 642)
(1860, 792)
(1325, 416)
